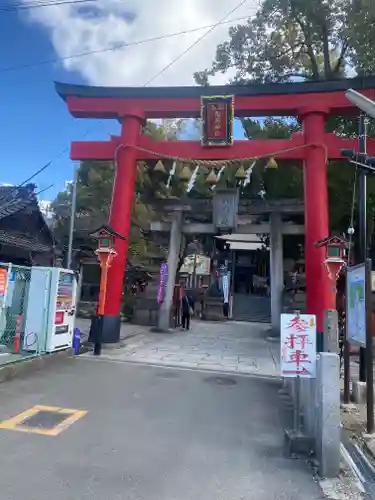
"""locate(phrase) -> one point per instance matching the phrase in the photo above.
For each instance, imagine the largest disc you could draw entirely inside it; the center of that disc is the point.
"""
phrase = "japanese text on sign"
(217, 120)
(298, 345)
(162, 283)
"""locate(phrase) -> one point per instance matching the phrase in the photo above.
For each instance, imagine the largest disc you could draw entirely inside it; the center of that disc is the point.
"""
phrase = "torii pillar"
(319, 291)
(120, 219)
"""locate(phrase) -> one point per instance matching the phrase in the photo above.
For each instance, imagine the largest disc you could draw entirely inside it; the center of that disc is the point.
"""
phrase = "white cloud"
(74, 29)
(45, 208)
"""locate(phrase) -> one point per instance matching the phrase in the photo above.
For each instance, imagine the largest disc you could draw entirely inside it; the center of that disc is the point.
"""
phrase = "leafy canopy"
(309, 39)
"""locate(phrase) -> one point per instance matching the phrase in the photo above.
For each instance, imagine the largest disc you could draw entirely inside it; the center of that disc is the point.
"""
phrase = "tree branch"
(326, 58)
(291, 49)
(308, 43)
(314, 64)
(341, 58)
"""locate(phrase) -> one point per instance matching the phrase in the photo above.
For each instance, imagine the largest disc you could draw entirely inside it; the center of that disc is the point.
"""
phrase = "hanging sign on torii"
(217, 114)
(225, 208)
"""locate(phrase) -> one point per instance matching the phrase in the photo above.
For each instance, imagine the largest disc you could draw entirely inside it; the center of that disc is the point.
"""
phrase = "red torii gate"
(313, 102)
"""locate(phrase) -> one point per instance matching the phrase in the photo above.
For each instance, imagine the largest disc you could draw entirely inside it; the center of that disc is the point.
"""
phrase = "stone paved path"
(232, 347)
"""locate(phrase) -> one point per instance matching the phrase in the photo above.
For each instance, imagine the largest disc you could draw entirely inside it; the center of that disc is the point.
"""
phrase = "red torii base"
(312, 102)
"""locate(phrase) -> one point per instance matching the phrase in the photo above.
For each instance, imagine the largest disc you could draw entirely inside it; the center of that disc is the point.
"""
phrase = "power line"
(221, 21)
(118, 46)
(211, 28)
(40, 4)
(37, 172)
(43, 190)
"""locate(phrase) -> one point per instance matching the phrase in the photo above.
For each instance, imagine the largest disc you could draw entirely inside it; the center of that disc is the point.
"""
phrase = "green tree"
(360, 35)
(94, 192)
(310, 39)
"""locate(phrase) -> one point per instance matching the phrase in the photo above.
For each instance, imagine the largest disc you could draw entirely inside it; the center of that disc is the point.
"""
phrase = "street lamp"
(361, 101)
(362, 160)
(366, 165)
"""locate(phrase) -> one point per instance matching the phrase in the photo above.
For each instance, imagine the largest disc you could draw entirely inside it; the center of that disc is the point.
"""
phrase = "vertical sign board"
(162, 283)
(225, 285)
(3, 298)
(225, 209)
(298, 345)
(217, 114)
(356, 305)
(3, 281)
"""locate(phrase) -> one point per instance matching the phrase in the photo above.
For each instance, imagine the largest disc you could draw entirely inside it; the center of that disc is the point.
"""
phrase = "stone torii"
(275, 227)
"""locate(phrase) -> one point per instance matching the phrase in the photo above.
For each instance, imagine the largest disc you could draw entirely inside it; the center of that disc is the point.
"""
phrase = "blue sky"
(35, 124)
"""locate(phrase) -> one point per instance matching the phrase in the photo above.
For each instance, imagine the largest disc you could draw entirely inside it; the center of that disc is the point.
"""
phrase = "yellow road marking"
(71, 417)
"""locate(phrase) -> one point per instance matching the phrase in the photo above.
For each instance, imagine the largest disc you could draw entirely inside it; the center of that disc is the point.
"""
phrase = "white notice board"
(298, 345)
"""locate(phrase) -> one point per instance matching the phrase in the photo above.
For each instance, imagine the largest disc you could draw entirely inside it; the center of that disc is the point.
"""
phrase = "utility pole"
(362, 222)
(367, 165)
(72, 218)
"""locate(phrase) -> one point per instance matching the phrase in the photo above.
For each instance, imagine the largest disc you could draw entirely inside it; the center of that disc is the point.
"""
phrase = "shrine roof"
(14, 199)
(104, 231)
(331, 240)
(22, 224)
(27, 242)
(66, 90)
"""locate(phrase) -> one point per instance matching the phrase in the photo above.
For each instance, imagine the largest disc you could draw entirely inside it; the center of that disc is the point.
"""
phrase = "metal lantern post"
(335, 257)
(333, 263)
(105, 253)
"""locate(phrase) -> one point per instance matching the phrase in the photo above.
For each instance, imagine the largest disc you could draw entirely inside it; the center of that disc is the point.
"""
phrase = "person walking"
(187, 306)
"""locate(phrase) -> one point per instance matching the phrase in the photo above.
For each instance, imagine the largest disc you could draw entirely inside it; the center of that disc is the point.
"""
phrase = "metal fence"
(14, 300)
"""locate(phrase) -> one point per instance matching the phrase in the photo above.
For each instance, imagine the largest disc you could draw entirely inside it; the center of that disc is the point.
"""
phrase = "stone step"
(252, 308)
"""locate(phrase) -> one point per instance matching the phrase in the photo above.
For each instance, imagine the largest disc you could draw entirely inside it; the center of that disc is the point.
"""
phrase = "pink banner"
(162, 283)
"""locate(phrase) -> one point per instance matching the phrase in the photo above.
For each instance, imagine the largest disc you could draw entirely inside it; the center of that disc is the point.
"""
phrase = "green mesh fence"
(14, 297)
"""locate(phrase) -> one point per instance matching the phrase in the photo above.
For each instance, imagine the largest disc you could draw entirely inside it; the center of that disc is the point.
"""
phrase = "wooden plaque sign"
(217, 115)
(225, 209)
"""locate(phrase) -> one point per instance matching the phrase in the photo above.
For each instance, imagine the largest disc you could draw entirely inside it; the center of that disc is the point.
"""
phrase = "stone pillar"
(318, 286)
(331, 331)
(120, 221)
(328, 430)
(277, 271)
(164, 317)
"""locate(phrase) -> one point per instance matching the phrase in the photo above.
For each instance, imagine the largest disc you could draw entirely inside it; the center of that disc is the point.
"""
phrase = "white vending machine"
(50, 313)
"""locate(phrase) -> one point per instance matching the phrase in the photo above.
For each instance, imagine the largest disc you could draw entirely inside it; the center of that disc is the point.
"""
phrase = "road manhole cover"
(44, 419)
(220, 380)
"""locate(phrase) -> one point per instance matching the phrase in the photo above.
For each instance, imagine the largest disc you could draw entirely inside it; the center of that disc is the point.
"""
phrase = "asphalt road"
(149, 434)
